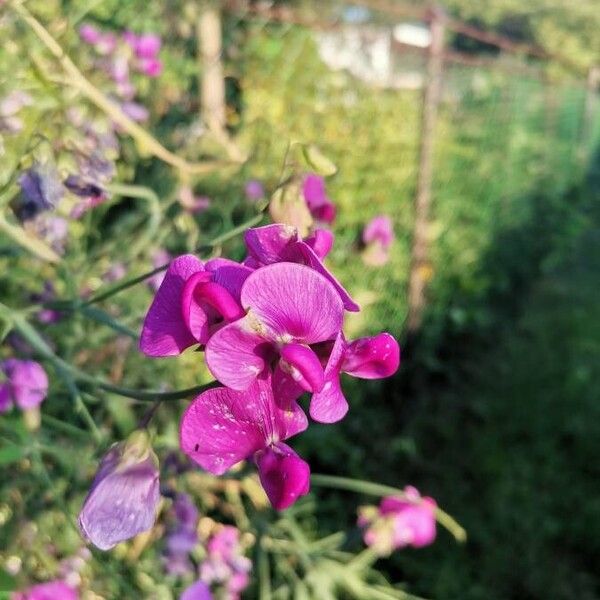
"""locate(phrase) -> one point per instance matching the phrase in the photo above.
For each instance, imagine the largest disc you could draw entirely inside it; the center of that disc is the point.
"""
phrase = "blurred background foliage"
(494, 412)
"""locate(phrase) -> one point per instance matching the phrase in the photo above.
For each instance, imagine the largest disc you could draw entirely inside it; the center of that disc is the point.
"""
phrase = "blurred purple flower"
(124, 496)
(41, 190)
(152, 67)
(319, 204)
(192, 203)
(89, 34)
(197, 591)
(254, 190)
(378, 236)
(53, 590)
(26, 384)
(116, 272)
(135, 111)
(183, 537)
(159, 258)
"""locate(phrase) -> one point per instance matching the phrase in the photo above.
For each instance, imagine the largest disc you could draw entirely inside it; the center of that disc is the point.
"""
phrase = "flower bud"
(124, 496)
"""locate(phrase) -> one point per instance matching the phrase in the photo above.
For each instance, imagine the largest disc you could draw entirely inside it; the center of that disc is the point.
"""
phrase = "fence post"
(420, 243)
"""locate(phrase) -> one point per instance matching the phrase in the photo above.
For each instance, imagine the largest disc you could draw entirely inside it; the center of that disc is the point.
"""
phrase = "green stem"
(377, 489)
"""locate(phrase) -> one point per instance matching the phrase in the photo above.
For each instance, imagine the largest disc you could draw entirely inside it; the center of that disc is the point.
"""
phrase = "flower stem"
(377, 489)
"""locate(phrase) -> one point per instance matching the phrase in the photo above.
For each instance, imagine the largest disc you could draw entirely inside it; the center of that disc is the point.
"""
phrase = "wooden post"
(420, 244)
(212, 82)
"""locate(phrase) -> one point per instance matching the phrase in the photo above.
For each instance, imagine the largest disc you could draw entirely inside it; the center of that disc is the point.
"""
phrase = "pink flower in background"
(223, 427)
(319, 204)
(225, 563)
(399, 521)
(183, 537)
(192, 203)
(160, 257)
(123, 499)
(53, 590)
(288, 307)
(197, 591)
(26, 384)
(378, 236)
(89, 34)
(254, 190)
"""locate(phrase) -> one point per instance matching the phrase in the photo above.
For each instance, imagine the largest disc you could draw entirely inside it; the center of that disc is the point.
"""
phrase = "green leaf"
(11, 454)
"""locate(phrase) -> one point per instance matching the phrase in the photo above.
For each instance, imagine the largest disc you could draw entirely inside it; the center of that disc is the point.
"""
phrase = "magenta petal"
(27, 383)
(222, 426)
(193, 314)
(313, 189)
(321, 241)
(283, 474)
(52, 590)
(229, 274)
(285, 389)
(164, 332)
(293, 300)
(307, 364)
(234, 355)
(372, 357)
(220, 299)
(302, 253)
(265, 244)
(197, 591)
(329, 405)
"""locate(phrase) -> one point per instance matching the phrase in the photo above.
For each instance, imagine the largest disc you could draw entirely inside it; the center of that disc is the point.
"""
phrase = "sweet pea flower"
(183, 537)
(281, 243)
(399, 521)
(124, 496)
(378, 236)
(319, 204)
(288, 307)
(222, 427)
(193, 299)
(366, 358)
(197, 591)
(53, 590)
(26, 384)
(146, 45)
(225, 563)
(254, 190)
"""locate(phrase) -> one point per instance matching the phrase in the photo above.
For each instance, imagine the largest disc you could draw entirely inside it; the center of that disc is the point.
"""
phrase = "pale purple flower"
(223, 427)
(10, 106)
(399, 521)
(254, 190)
(367, 358)
(116, 272)
(225, 563)
(315, 196)
(288, 308)
(197, 591)
(25, 386)
(103, 42)
(53, 230)
(182, 538)
(123, 499)
(281, 243)
(192, 203)
(41, 190)
(135, 111)
(193, 299)
(53, 590)
(378, 236)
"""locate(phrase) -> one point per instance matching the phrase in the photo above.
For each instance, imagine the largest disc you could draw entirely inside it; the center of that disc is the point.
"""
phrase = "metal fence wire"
(353, 80)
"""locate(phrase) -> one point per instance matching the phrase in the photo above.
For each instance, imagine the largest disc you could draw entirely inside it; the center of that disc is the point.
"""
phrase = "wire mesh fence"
(352, 79)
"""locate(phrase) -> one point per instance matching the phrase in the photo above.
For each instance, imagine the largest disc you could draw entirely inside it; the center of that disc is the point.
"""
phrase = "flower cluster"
(399, 521)
(271, 330)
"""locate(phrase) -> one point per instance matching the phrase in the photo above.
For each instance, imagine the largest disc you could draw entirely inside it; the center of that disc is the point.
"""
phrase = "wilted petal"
(372, 357)
(235, 355)
(27, 382)
(329, 405)
(302, 253)
(164, 332)
(222, 427)
(124, 496)
(197, 591)
(265, 244)
(283, 474)
(294, 301)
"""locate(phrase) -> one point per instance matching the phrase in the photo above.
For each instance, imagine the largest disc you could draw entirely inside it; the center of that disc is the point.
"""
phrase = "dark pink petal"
(229, 274)
(192, 312)
(283, 474)
(265, 244)
(293, 301)
(222, 427)
(27, 383)
(321, 241)
(164, 332)
(329, 405)
(372, 357)
(235, 355)
(302, 253)
(306, 363)
(313, 189)
(325, 213)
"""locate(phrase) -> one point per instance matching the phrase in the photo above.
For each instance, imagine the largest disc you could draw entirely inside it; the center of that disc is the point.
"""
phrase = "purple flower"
(367, 358)
(281, 243)
(152, 67)
(103, 42)
(197, 591)
(183, 537)
(124, 496)
(399, 521)
(288, 308)
(225, 563)
(319, 204)
(254, 190)
(223, 426)
(192, 300)
(41, 190)
(146, 45)
(192, 203)
(135, 111)
(89, 34)
(26, 384)
(53, 590)
(378, 236)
